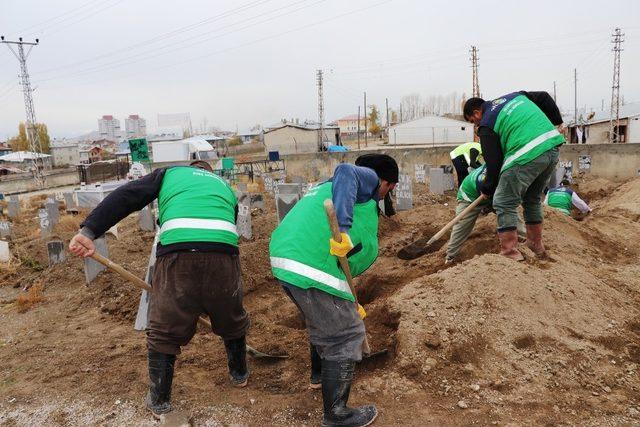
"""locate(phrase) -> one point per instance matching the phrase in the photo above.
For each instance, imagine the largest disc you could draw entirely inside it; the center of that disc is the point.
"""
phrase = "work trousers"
(334, 326)
(523, 185)
(462, 168)
(188, 284)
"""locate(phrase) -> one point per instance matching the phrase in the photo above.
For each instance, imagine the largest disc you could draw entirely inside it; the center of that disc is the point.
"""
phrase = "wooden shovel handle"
(344, 263)
(457, 219)
(133, 279)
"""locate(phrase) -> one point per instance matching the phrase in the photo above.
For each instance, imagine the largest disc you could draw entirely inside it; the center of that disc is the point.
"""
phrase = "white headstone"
(137, 170)
(91, 267)
(404, 193)
(284, 203)
(5, 229)
(45, 224)
(51, 205)
(5, 255)
(146, 219)
(142, 318)
(244, 216)
(584, 162)
(55, 250)
(13, 208)
(436, 181)
(70, 201)
(421, 175)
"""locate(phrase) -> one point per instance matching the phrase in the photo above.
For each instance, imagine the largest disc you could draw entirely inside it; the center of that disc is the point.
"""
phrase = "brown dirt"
(551, 342)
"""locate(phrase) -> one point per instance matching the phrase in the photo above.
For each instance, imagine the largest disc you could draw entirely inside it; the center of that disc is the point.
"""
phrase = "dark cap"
(385, 166)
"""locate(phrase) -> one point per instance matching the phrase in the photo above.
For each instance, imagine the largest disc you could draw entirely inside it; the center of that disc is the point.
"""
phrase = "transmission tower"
(35, 145)
(614, 121)
(474, 67)
(320, 110)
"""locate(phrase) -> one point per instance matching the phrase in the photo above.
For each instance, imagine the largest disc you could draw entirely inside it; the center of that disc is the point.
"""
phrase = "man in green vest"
(303, 259)
(197, 269)
(464, 157)
(519, 143)
(563, 198)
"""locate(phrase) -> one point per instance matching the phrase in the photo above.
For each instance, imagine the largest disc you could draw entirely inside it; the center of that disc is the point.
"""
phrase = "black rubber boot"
(160, 378)
(316, 368)
(237, 361)
(336, 385)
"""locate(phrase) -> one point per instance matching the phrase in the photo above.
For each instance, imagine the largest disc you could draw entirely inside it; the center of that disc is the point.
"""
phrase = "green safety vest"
(465, 150)
(299, 247)
(470, 188)
(196, 206)
(525, 132)
(561, 198)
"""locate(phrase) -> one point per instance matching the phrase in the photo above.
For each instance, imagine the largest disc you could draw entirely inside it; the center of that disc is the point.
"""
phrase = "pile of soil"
(482, 341)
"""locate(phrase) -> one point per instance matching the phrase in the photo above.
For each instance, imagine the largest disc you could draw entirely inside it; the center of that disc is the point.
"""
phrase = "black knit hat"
(385, 166)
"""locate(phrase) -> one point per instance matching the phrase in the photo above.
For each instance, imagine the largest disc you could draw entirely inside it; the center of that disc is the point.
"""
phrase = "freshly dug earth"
(483, 341)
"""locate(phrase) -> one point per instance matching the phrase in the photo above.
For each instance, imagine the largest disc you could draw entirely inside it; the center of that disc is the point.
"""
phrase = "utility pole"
(474, 67)
(575, 97)
(35, 145)
(320, 110)
(614, 120)
(365, 119)
(358, 127)
(554, 92)
(386, 103)
(400, 112)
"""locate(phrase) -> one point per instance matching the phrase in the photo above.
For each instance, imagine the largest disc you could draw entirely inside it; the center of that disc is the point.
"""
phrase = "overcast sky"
(238, 63)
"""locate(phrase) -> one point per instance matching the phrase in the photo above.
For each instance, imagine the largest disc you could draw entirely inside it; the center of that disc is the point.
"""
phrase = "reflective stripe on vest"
(529, 146)
(464, 195)
(206, 224)
(310, 272)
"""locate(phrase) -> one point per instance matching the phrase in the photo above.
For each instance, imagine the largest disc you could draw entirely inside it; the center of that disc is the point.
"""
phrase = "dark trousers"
(462, 168)
(334, 326)
(188, 284)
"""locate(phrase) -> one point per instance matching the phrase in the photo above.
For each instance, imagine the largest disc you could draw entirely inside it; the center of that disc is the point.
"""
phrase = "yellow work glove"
(361, 312)
(341, 249)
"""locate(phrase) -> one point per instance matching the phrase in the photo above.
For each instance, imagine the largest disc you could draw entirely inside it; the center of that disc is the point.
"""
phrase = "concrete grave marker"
(244, 216)
(5, 229)
(449, 181)
(421, 175)
(286, 198)
(257, 201)
(46, 227)
(584, 162)
(436, 181)
(5, 254)
(404, 193)
(268, 183)
(51, 205)
(91, 267)
(13, 208)
(55, 250)
(70, 202)
(146, 219)
(142, 318)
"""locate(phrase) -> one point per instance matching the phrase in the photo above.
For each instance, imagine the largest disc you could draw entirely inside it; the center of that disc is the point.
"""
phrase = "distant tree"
(235, 141)
(20, 142)
(374, 121)
(394, 116)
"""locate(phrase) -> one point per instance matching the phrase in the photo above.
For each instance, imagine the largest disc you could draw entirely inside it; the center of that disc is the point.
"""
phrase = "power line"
(87, 4)
(614, 122)
(84, 18)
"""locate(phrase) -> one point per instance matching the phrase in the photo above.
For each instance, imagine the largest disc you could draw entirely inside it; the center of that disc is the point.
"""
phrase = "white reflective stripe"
(205, 224)
(464, 195)
(311, 273)
(530, 146)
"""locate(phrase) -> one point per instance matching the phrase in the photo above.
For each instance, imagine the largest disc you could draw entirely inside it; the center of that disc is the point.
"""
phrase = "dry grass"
(37, 201)
(69, 223)
(31, 298)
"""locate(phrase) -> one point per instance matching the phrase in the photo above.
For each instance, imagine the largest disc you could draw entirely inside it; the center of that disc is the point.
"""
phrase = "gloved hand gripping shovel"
(141, 284)
(344, 264)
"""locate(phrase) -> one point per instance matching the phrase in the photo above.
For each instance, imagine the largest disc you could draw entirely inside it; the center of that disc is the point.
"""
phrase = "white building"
(65, 154)
(135, 126)
(25, 159)
(298, 138)
(595, 128)
(109, 127)
(434, 130)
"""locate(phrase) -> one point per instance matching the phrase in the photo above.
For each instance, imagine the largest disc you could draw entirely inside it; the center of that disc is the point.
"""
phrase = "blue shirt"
(352, 184)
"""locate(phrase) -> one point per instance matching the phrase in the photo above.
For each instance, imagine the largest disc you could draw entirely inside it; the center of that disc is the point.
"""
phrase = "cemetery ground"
(485, 341)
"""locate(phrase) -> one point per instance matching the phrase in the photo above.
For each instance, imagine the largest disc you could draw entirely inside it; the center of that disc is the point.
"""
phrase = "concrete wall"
(294, 140)
(611, 161)
(23, 183)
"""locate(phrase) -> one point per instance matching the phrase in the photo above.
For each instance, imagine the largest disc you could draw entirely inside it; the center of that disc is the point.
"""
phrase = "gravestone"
(51, 205)
(142, 318)
(244, 216)
(404, 193)
(436, 181)
(298, 180)
(5, 254)
(114, 231)
(449, 181)
(257, 201)
(584, 162)
(55, 250)
(13, 208)
(268, 183)
(91, 267)
(421, 175)
(70, 202)
(286, 198)
(146, 219)
(46, 227)
(5, 229)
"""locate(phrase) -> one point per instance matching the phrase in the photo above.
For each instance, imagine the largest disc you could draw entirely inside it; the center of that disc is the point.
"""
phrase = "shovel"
(422, 246)
(344, 263)
(141, 284)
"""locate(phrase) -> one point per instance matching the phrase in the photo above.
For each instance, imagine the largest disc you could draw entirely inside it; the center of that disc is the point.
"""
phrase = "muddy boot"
(237, 361)
(160, 377)
(534, 240)
(316, 369)
(336, 385)
(509, 245)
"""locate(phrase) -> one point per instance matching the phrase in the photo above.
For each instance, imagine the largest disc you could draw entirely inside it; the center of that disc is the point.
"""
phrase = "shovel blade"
(418, 248)
(260, 355)
(373, 354)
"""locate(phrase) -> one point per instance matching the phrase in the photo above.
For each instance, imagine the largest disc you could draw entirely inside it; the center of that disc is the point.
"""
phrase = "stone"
(55, 251)
(45, 225)
(436, 181)
(70, 201)
(421, 174)
(13, 208)
(284, 203)
(5, 254)
(244, 216)
(51, 205)
(433, 342)
(289, 189)
(114, 231)
(431, 314)
(475, 387)
(462, 404)
(404, 193)
(93, 268)
(142, 318)
(146, 219)
(5, 229)
(257, 201)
